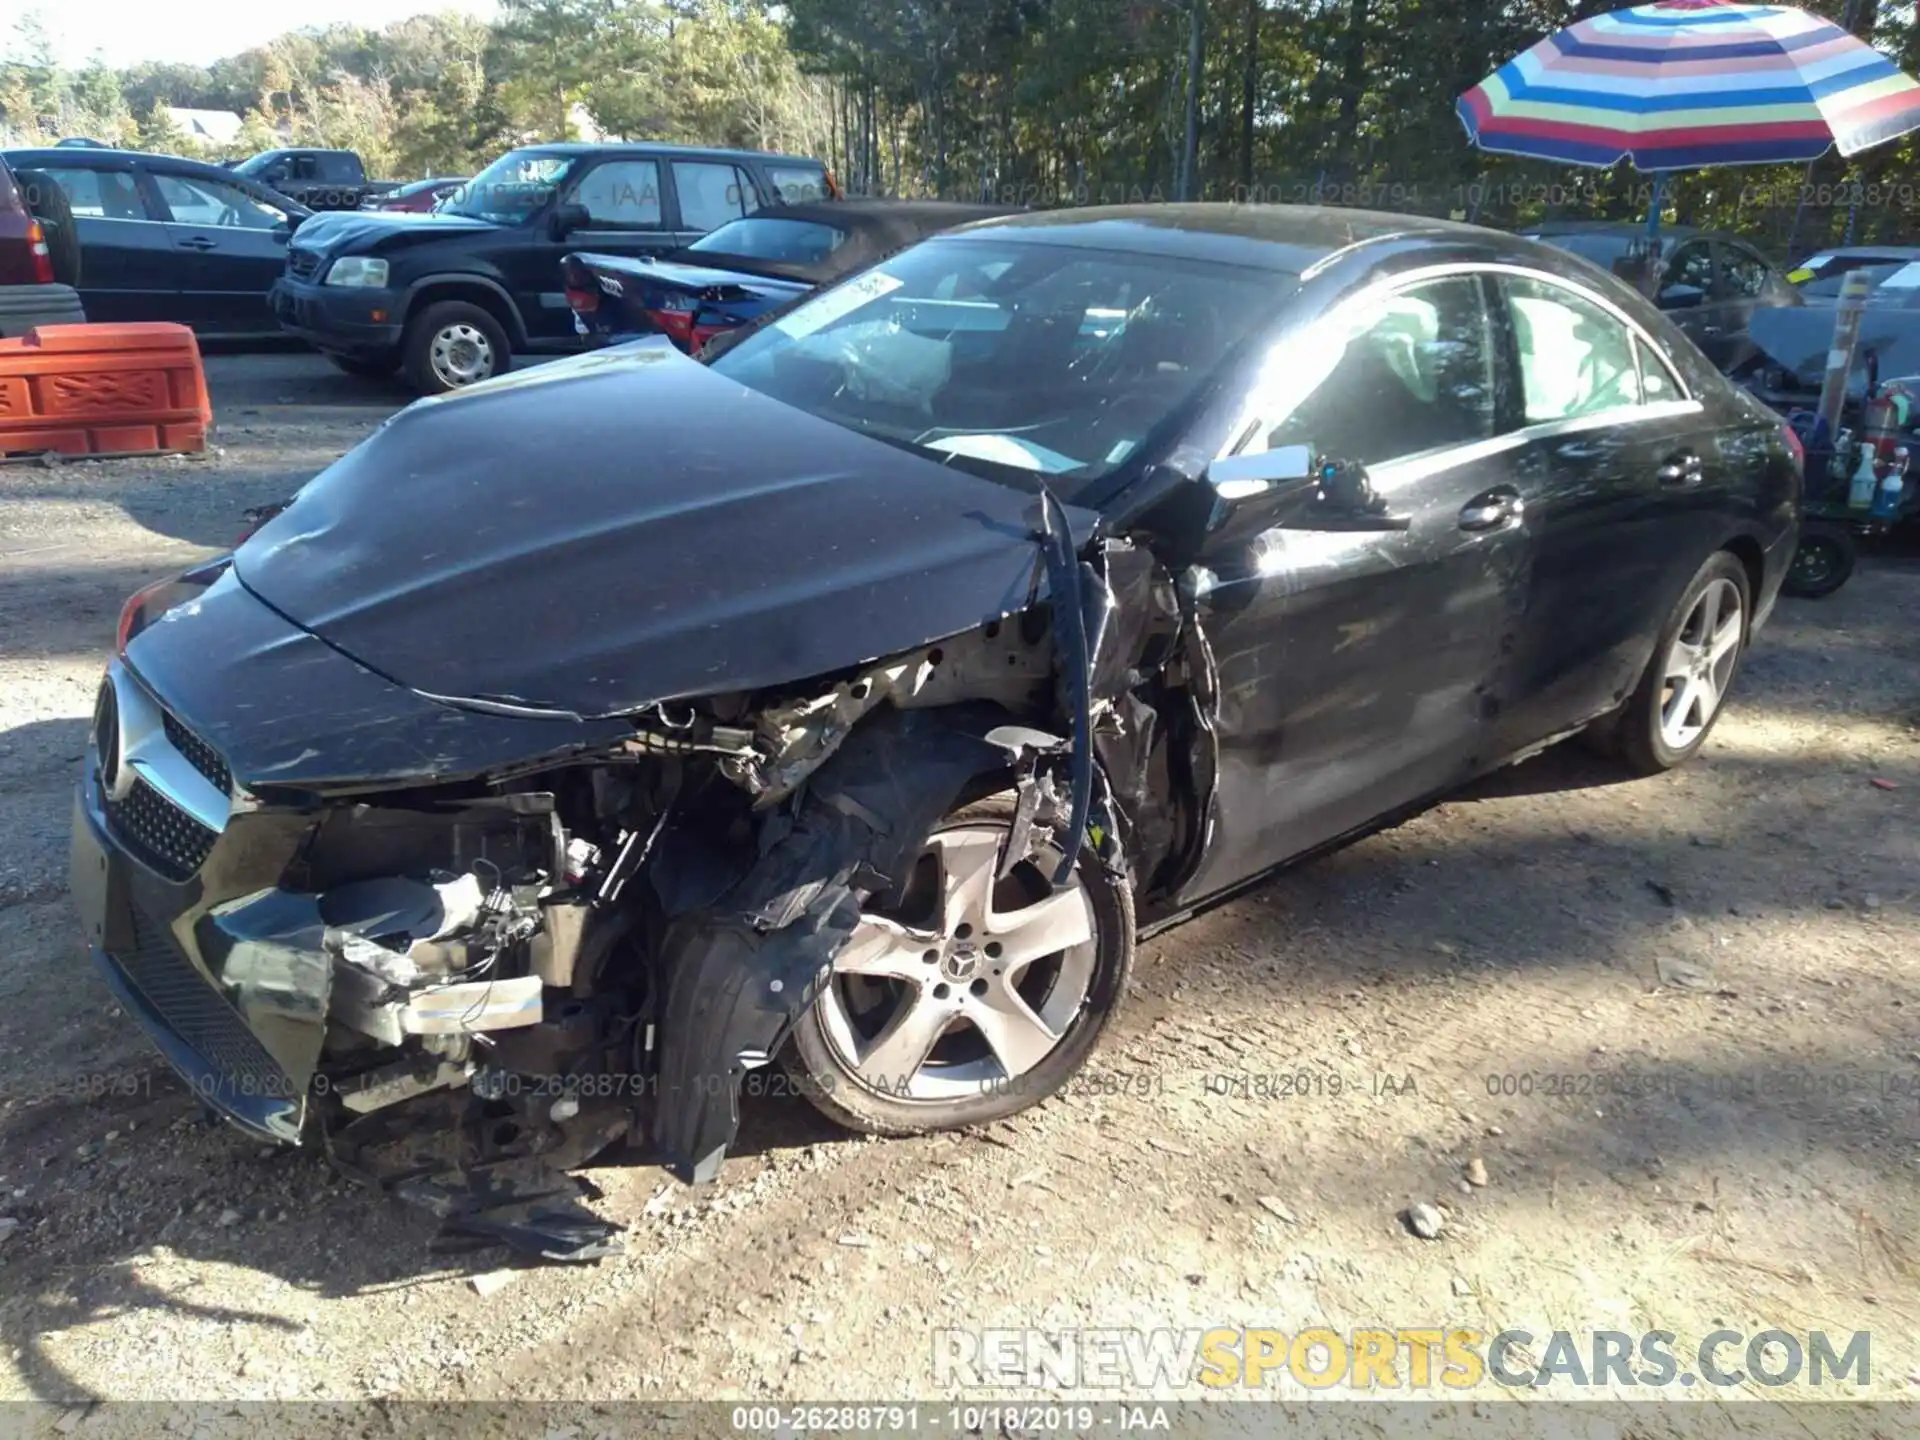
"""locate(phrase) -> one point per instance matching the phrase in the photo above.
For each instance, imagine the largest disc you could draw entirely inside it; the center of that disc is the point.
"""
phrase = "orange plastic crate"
(103, 390)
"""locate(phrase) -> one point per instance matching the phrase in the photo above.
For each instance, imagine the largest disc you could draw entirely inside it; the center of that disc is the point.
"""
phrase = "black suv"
(447, 297)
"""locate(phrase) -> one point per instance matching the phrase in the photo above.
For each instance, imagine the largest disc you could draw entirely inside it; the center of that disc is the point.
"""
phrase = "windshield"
(258, 162)
(1035, 357)
(511, 188)
(790, 242)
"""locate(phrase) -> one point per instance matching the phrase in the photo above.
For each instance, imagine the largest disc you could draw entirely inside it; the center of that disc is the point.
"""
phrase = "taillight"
(1797, 446)
(582, 289)
(676, 325)
(42, 257)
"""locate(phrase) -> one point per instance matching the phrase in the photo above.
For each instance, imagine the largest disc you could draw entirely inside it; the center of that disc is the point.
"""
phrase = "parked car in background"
(315, 179)
(82, 142)
(447, 298)
(1821, 274)
(30, 291)
(165, 238)
(418, 195)
(749, 266)
(1788, 366)
(849, 700)
(1710, 284)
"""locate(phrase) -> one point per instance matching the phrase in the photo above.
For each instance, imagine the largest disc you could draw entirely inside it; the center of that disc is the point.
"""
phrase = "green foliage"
(1042, 101)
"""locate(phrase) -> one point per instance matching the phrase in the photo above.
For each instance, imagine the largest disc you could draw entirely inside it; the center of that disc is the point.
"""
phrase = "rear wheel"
(972, 997)
(1673, 709)
(453, 344)
(1822, 563)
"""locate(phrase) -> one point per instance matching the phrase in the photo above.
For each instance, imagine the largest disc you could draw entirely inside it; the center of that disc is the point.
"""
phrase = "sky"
(197, 31)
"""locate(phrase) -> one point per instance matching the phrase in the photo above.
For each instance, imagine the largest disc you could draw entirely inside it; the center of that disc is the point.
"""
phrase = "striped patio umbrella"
(1688, 83)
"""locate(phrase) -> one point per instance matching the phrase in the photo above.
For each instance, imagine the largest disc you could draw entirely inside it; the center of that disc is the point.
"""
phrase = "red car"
(29, 294)
(419, 197)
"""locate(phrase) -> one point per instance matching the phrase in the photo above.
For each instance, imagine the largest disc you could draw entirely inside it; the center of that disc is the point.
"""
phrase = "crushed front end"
(466, 947)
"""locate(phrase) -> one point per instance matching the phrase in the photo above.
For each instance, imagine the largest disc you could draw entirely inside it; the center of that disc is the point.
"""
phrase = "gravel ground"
(1294, 1070)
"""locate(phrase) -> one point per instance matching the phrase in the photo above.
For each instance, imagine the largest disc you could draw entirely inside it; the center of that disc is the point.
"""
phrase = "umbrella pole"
(1659, 200)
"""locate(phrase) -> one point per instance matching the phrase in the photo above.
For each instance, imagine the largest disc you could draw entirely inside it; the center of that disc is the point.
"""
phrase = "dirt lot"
(1292, 1071)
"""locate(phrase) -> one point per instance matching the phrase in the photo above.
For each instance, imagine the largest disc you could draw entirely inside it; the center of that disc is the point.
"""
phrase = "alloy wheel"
(1700, 664)
(460, 355)
(971, 990)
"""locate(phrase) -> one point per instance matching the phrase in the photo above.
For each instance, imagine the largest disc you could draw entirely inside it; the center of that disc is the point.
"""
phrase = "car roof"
(649, 147)
(1288, 238)
(73, 155)
(1607, 227)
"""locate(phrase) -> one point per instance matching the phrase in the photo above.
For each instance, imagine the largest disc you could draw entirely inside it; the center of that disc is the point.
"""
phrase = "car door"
(233, 244)
(1610, 451)
(129, 269)
(1689, 293)
(709, 193)
(626, 215)
(1356, 669)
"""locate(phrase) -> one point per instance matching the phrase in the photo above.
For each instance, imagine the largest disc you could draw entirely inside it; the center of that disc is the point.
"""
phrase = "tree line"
(1020, 101)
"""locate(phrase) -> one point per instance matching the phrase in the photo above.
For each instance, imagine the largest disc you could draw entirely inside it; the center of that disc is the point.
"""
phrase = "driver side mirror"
(1289, 487)
(567, 218)
(1680, 297)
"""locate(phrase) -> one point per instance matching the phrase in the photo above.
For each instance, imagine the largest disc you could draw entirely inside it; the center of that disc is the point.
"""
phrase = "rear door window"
(196, 200)
(1691, 268)
(622, 195)
(798, 184)
(100, 194)
(1576, 359)
(711, 194)
(1743, 274)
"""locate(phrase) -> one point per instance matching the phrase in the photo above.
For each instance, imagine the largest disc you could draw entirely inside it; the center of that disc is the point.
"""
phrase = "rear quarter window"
(798, 184)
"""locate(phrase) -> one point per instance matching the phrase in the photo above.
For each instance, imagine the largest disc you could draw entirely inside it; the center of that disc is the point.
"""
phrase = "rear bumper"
(339, 318)
(22, 307)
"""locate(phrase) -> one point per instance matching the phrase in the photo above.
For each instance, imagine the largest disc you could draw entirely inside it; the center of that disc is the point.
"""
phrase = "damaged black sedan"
(851, 701)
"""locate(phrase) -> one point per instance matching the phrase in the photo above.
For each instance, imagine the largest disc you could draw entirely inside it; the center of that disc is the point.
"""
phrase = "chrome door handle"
(1680, 469)
(1491, 510)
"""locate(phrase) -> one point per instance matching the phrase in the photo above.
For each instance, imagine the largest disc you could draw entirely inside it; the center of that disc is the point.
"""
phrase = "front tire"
(451, 345)
(972, 997)
(1673, 709)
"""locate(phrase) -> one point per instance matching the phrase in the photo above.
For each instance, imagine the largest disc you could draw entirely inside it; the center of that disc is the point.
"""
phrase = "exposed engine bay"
(477, 986)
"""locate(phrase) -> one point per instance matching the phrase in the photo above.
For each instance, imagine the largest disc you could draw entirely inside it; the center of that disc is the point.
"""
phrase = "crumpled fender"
(742, 971)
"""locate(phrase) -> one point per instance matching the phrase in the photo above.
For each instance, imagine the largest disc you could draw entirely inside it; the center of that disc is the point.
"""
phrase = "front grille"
(202, 756)
(301, 263)
(159, 833)
(196, 1012)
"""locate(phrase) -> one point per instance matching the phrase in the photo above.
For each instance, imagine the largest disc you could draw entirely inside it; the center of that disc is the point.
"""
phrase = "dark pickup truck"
(317, 179)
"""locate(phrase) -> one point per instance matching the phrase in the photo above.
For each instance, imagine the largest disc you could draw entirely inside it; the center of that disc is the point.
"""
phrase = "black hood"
(628, 526)
(1797, 339)
(282, 708)
(371, 232)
